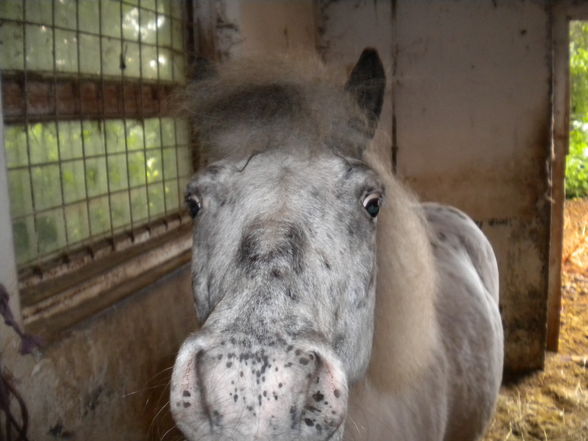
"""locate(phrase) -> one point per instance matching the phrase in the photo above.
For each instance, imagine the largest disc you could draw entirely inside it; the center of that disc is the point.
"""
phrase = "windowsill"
(50, 309)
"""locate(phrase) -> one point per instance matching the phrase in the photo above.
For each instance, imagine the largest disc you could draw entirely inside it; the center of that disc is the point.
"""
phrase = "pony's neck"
(406, 327)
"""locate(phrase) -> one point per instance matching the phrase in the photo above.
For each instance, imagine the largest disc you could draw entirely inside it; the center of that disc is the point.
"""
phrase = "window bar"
(189, 42)
(161, 146)
(125, 122)
(180, 191)
(102, 124)
(78, 76)
(141, 115)
(57, 135)
(27, 137)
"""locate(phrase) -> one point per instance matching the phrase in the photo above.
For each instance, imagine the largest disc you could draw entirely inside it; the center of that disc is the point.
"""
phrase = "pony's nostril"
(201, 386)
(326, 398)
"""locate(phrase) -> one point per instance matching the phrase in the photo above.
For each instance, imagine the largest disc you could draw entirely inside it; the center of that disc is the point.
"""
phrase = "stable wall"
(470, 113)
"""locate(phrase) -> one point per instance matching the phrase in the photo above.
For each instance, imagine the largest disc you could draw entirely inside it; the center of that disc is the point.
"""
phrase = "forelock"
(254, 105)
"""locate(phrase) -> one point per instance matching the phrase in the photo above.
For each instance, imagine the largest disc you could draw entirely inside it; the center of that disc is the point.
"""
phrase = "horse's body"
(451, 397)
(285, 278)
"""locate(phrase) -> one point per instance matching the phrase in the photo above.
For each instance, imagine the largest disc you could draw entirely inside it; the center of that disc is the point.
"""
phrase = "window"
(96, 160)
(92, 148)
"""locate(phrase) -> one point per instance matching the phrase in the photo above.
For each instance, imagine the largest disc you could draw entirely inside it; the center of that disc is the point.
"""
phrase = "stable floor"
(552, 405)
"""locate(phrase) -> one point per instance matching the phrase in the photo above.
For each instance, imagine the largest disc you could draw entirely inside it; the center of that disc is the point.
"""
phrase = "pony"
(334, 305)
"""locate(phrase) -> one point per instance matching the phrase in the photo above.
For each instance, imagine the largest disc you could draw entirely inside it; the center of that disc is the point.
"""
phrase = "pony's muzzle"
(234, 389)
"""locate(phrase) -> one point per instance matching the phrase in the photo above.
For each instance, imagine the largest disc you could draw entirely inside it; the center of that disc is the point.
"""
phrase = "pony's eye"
(193, 204)
(372, 203)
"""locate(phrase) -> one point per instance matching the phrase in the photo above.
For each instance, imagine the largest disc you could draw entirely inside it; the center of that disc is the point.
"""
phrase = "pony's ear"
(367, 83)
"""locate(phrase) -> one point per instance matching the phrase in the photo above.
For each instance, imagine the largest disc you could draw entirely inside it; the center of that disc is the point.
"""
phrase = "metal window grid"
(131, 89)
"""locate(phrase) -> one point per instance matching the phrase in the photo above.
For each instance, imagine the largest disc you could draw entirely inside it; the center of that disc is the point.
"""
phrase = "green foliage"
(72, 180)
(577, 159)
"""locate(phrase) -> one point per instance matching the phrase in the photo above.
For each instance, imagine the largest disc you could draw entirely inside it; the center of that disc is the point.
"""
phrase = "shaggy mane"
(253, 105)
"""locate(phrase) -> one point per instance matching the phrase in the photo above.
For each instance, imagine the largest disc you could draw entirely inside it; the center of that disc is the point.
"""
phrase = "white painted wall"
(469, 104)
(264, 27)
(346, 28)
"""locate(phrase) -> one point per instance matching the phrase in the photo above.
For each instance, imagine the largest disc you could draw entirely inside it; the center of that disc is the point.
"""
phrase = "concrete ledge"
(50, 309)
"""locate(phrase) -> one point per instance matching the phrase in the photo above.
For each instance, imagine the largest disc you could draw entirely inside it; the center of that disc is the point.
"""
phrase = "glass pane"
(137, 168)
(164, 30)
(177, 8)
(135, 135)
(177, 35)
(111, 10)
(65, 13)
(139, 204)
(11, 9)
(148, 26)
(182, 132)
(39, 48)
(11, 46)
(149, 61)
(130, 23)
(51, 231)
(168, 128)
(156, 202)
(152, 133)
(25, 239)
(43, 143)
(39, 11)
(179, 68)
(164, 7)
(66, 49)
(183, 184)
(117, 172)
(171, 195)
(121, 213)
(93, 137)
(74, 187)
(15, 142)
(169, 163)
(70, 139)
(89, 54)
(150, 4)
(99, 215)
(76, 221)
(184, 162)
(115, 136)
(96, 177)
(153, 166)
(165, 65)
(111, 57)
(19, 189)
(46, 186)
(89, 11)
(132, 60)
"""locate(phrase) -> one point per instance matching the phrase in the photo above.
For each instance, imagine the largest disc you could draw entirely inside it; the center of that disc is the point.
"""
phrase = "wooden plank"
(42, 99)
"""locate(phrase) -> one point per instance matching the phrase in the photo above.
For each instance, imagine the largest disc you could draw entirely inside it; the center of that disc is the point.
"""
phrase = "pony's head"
(284, 258)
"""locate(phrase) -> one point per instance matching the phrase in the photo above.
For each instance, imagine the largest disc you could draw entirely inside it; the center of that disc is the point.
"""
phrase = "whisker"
(165, 406)
(167, 432)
